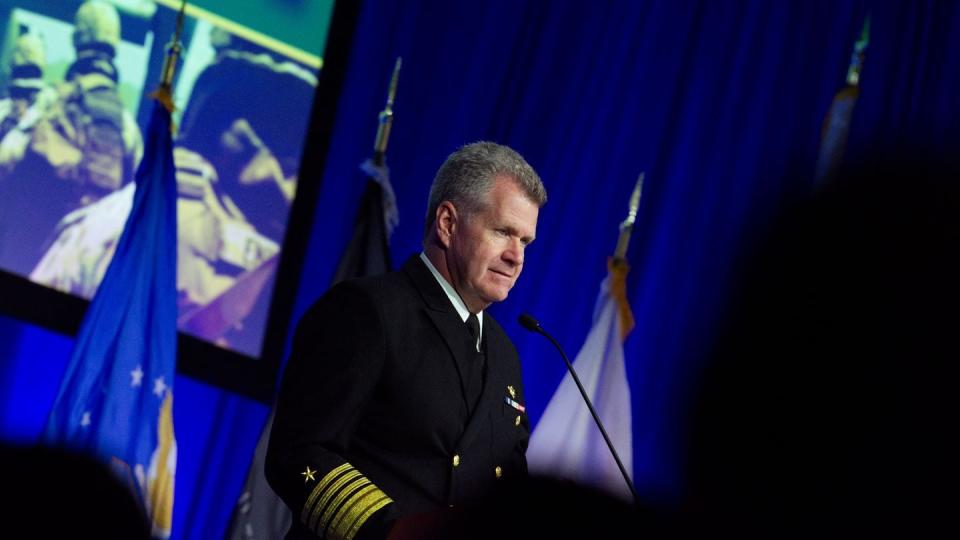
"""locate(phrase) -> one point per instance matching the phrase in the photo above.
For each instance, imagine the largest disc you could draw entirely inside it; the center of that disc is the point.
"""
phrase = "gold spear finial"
(386, 117)
(164, 92)
(859, 52)
(626, 228)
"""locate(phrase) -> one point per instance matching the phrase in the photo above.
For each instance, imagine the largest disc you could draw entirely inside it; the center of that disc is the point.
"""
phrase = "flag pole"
(164, 92)
(836, 124)
(859, 52)
(618, 266)
(626, 227)
(386, 118)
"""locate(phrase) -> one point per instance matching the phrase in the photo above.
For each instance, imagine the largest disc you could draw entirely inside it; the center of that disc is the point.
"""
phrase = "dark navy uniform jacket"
(373, 420)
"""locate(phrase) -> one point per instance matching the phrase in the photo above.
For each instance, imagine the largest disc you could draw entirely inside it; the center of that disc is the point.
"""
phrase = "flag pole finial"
(626, 227)
(386, 117)
(164, 92)
(859, 52)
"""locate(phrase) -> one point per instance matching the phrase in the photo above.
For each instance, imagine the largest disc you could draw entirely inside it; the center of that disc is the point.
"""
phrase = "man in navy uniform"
(402, 396)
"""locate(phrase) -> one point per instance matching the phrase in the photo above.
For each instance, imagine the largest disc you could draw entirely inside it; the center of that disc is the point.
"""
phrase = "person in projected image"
(69, 151)
(230, 155)
(258, 106)
(26, 86)
(247, 119)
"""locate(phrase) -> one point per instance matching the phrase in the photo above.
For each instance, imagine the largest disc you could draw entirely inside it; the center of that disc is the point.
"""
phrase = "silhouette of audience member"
(52, 493)
(830, 407)
(535, 507)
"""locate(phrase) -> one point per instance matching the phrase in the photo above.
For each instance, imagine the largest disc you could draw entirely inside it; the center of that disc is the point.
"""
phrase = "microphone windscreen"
(529, 322)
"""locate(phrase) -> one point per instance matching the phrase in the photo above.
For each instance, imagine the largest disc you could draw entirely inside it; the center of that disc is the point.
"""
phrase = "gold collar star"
(308, 475)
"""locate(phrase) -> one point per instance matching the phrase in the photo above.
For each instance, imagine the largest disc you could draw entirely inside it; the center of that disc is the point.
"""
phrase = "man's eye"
(502, 232)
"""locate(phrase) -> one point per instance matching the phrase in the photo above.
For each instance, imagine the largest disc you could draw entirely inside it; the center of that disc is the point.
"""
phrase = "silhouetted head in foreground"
(53, 493)
(831, 406)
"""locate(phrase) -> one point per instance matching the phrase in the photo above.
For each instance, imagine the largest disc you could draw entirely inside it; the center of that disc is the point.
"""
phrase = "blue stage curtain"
(721, 103)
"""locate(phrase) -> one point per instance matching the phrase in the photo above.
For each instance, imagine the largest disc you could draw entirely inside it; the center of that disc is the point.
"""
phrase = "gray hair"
(467, 175)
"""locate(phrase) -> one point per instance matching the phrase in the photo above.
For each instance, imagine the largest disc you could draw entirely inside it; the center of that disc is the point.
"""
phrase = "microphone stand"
(533, 325)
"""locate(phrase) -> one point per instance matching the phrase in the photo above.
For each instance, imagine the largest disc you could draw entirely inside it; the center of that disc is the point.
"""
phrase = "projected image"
(74, 85)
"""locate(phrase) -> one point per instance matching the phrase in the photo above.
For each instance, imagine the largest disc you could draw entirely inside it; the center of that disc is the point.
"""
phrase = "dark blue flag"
(260, 513)
(116, 398)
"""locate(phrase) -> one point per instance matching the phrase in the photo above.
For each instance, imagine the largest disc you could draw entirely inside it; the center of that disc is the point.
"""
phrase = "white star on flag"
(85, 421)
(159, 387)
(136, 376)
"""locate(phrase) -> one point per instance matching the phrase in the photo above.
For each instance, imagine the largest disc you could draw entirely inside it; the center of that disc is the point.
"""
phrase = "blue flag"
(116, 398)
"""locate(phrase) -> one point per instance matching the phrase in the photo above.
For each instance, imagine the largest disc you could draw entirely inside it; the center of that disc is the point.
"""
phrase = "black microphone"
(530, 323)
(533, 325)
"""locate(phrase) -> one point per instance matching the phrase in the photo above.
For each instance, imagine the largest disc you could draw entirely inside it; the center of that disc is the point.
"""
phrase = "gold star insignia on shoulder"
(513, 392)
(308, 475)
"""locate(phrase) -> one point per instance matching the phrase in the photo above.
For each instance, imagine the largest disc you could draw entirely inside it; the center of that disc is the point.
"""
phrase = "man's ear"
(446, 222)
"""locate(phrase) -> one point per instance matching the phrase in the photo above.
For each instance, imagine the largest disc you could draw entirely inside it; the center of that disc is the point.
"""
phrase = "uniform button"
(456, 460)
(498, 472)
(517, 421)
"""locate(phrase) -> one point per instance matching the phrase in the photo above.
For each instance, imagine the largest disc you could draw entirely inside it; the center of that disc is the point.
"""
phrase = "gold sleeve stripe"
(342, 501)
(343, 518)
(320, 488)
(325, 506)
(331, 509)
(377, 504)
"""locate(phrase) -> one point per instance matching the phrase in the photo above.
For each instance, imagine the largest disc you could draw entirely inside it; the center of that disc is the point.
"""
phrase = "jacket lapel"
(441, 312)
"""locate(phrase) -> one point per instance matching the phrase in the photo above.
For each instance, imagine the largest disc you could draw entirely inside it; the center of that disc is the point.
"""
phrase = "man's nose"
(514, 252)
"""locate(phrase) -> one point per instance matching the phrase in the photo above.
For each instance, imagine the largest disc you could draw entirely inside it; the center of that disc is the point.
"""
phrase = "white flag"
(566, 442)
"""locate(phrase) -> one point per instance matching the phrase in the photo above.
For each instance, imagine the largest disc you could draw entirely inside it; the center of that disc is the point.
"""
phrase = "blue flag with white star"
(116, 398)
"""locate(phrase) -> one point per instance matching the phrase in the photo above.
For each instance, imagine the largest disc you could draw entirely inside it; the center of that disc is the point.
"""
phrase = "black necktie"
(473, 324)
(474, 367)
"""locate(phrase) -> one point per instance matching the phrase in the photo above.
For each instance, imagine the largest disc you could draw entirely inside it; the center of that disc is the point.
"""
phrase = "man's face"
(486, 249)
